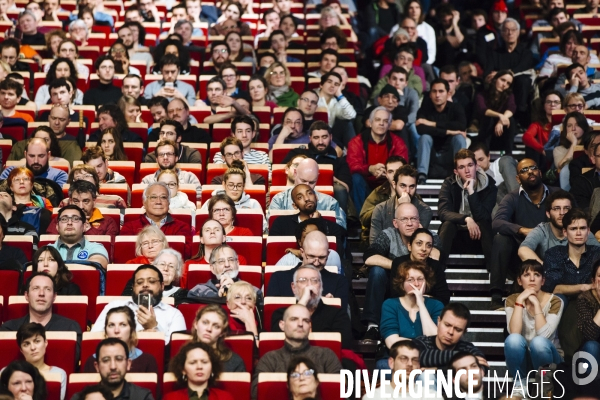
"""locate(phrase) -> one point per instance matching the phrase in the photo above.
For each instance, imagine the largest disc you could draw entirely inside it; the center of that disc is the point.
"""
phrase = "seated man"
(111, 116)
(173, 130)
(321, 150)
(580, 83)
(134, 86)
(329, 59)
(29, 27)
(503, 170)
(112, 363)
(106, 92)
(10, 95)
(315, 251)
(94, 157)
(368, 152)
(405, 58)
(552, 233)
(583, 185)
(308, 288)
(160, 317)
(296, 325)
(13, 218)
(291, 129)
(232, 150)
(37, 157)
(331, 97)
(464, 360)
(224, 265)
(169, 86)
(243, 128)
(389, 97)
(88, 173)
(307, 172)
(71, 243)
(83, 195)
(582, 56)
(158, 109)
(307, 104)
(279, 45)
(179, 111)
(290, 169)
(436, 351)
(167, 157)
(441, 126)
(466, 201)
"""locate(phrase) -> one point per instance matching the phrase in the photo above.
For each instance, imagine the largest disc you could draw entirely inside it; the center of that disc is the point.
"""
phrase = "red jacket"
(536, 136)
(171, 227)
(214, 394)
(357, 158)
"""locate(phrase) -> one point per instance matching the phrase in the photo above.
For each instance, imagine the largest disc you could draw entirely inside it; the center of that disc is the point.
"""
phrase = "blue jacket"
(54, 174)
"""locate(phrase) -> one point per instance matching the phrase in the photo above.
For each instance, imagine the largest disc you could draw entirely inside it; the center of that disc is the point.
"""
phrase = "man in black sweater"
(518, 213)
(441, 125)
(583, 185)
(105, 92)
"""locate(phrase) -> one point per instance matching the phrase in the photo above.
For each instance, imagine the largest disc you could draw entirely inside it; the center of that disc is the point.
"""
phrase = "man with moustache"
(550, 234)
(517, 215)
(160, 317)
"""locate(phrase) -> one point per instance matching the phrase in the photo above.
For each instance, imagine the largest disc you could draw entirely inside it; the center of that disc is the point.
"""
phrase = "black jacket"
(451, 118)
(583, 186)
(340, 167)
(481, 202)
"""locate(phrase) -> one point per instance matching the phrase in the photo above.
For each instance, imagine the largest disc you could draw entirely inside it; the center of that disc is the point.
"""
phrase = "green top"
(288, 99)
(193, 395)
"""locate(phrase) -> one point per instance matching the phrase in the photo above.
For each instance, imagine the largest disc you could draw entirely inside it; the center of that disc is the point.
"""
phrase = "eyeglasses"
(235, 154)
(231, 76)
(171, 185)
(553, 103)
(73, 218)
(219, 51)
(163, 155)
(307, 100)
(405, 220)
(306, 374)
(413, 280)
(165, 265)
(83, 176)
(575, 106)
(531, 168)
(233, 186)
(314, 281)
(280, 73)
(226, 210)
(221, 261)
(153, 242)
(24, 180)
(557, 208)
(406, 360)
(161, 198)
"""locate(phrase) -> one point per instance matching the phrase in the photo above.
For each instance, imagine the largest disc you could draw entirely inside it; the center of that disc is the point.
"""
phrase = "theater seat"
(273, 385)
(201, 273)
(251, 247)
(117, 276)
(78, 382)
(279, 177)
(23, 242)
(270, 341)
(53, 384)
(251, 218)
(73, 307)
(236, 383)
(257, 192)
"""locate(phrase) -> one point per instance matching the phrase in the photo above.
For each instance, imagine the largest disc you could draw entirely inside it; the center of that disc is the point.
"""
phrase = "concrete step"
(484, 335)
(467, 273)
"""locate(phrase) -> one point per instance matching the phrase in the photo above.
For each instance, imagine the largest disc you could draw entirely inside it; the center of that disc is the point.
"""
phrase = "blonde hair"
(574, 96)
(6, 67)
(168, 172)
(149, 230)
(241, 287)
(269, 71)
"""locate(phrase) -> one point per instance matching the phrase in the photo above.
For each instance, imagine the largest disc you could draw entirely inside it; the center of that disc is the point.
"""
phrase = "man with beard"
(550, 234)
(518, 213)
(37, 155)
(172, 130)
(160, 317)
(71, 223)
(290, 131)
(220, 55)
(95, 157)
(465, 361)
(320, 150)
(224, 265)
(296, 325)
(391, 243)
(112, 363)
(106, 92)
(169, 86)
(308, 290)
(128, 37)
(314, 251)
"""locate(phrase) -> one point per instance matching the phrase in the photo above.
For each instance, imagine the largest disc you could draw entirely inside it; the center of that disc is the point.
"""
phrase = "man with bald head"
(296, 325)
(518, 213)
(314, 251)
(307, 173)
(37, 156)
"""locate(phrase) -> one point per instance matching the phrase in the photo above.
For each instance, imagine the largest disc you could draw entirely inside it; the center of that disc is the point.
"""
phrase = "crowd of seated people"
(211, 166)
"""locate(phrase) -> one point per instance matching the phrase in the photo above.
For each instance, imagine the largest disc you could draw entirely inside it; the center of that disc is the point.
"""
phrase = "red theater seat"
(72, 307)
(247, 217)
(274, 386)
(25, 243)
(200, 273)
(236, 383)
(251, 247)
(78, 382)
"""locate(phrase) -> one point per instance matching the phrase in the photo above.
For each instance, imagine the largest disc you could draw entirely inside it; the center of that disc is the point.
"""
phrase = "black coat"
(481, 202)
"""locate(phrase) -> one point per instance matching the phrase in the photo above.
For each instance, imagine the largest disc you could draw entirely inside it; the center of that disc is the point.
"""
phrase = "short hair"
(165, 142)
(229, 141)
(128, 76)
(10, 43)
(442, 81)
(331, 52)
(560, 195)
(149, 230)
(301, 227)
(555, 11)
(289, 110)
(29, 330)
(573, 215)
(463, 154)
(459, 310)
(176, 124)
(407, 48)
(240, 286)
(111, 342)
(38, 273)
(296, 361)
(266, 54)
(448, 69)
(289, 163)
(151, 267)
(319, 126)
(218, 80)
(177, 363)
(306, 266)
(241, 119)
(509, 20)
(82, 186)
(222, 197)
(62, 82)
(170, 59)
(220, 43)
(103, 390)
(336, 33)
(376, 110)
(276, 32)
(101, 59)
(161, 184)
(398, 70)
(402, 275)
(572, 67)
(267, 13)
(9, 84)
(459, 355)
(158, 101)
(91, 153)
(406, 170)
(480, 146)
(71, 207)
(395, 159)
(408, 344)
(326, 76)
(83, 168)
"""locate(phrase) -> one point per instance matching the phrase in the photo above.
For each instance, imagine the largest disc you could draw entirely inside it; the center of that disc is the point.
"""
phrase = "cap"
(500, 5)
(387, 89)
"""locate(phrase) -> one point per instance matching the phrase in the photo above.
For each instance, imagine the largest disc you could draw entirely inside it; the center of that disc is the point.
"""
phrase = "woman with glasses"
(61, 67)
(258, 89)
(241, 302)
(170, 264)
(68, 49)
(47, 259)
(302, 379)
(532, 318)
(178, 199)
(280, 91)
(112, 145)
(20, 186)
(222, 208)
(538, 132)
(229, 74)
(149, 242)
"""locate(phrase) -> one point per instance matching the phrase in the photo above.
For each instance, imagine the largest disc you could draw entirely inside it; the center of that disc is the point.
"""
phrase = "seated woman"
(149, 242)
(536, 136)
(588, 311)
(170, 263)
(196, 368)
(231, 10)
(47, 259)
(14, 377)
(175, 47)
(332, 17)
(532, 318)
(258, 89)
(178, 199)
(210, 326)
(414, 10)
(86, 14)
(574, 127)
(79, 32)
(20, 184)
(237, 48)
(280, 92)
(241, 301)
(53, 40)
(122, 62)
(131, 107)
(222, 208)
(31, 338)
(121, 324)
(412, 314)
(68, 48)
(61, 67)
(302, 379)
(231, 76)
(568, 42)
(112, 145)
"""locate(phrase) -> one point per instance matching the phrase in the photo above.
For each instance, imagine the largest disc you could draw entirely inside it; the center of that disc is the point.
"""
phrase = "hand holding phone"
(144, 300)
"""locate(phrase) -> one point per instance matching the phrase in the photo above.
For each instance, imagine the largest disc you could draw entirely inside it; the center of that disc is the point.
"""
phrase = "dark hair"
(220, 43)
(84, 168)
(334, 32)
(128, 76)
(29, 330)
(51, 75)
(417, 232)
(170, 59)
(480, 146)
(397, 70)
(328, 74)
(11, 42)
(580, 120)
(290, 17)
(231, 141)
(301, 227)
(218, 80)
(448, 69)
(459, 310)
(103, 390)
(442, 81)
(111, 342)
(119, 150)
(459, 355)
(572, 67)
(402, 275)
(395, 159)
(319, 126)
(240, 55)
(184, 54)
(407, 48)
(275, 33)
(141, 30)
(101, 59)
(153, 268)
(296, 361)
(222, 197)
(91, 153)
(9, 84)
(55, 149)
(531, 265)
(70, 83)
(406, 170)
(241, 119)
(595, 267)
(177, 363)
(63, 275)
(268, 12)
(176, 124)
(554, 12)
(39, 383)
(33, 275)
(330, 52)
(117, 115)
(158, 101)
(560, 195)
(263, 55)
(568, 36)
(86, 10)
(409, 344)
(541, 117)
(71, 207)
(573, 215)
(289, 110)
(494, 99)
(463, 154)
(82, 186)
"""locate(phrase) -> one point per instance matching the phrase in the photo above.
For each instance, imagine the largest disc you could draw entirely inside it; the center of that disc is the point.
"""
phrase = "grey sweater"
(383, 215)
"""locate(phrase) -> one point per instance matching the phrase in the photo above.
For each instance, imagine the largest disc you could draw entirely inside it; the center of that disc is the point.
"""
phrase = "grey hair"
(380, 108)
(514, 21)
(240, 286)
(306, 266)
(27, 12)
(181, 22)
(149, 230)
(400, 32)
(79, 23)
(216, 250)
(145, 194)
(179, 266)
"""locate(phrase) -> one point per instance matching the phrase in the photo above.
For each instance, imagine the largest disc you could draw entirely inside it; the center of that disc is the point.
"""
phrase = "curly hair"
(221, 349)
(177, 363)
(63, 275)
(402, 275)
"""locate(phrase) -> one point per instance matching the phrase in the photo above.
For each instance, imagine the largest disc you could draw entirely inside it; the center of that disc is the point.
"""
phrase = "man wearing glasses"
(307, 103)
(173, 131)
(518, 213)
(167, 157)
(220, 55)
(244, 129)
(232, 150)
(71, 223)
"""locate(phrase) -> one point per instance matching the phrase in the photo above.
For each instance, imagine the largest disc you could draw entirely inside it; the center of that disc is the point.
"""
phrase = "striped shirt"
(253, 157)
(431, 356)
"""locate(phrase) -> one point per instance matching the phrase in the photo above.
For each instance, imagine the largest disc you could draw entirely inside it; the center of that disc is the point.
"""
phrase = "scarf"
(275, 92)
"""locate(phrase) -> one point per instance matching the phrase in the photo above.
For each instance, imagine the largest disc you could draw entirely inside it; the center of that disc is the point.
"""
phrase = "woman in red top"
(222, 208)
(241, 301)
(197, 368)
(150, 241)
(538, 132)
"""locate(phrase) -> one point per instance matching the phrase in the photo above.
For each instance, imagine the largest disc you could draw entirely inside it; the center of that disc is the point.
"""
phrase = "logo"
(83, 255)
(579, 367)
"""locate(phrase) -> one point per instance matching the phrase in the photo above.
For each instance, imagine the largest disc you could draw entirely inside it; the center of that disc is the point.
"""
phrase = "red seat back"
(72, 307)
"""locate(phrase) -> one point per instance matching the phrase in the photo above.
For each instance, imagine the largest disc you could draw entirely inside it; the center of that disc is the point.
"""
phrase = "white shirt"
(169, 318)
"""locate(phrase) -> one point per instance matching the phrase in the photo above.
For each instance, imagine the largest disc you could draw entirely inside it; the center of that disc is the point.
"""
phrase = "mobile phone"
(169, 85)
(144, 300)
